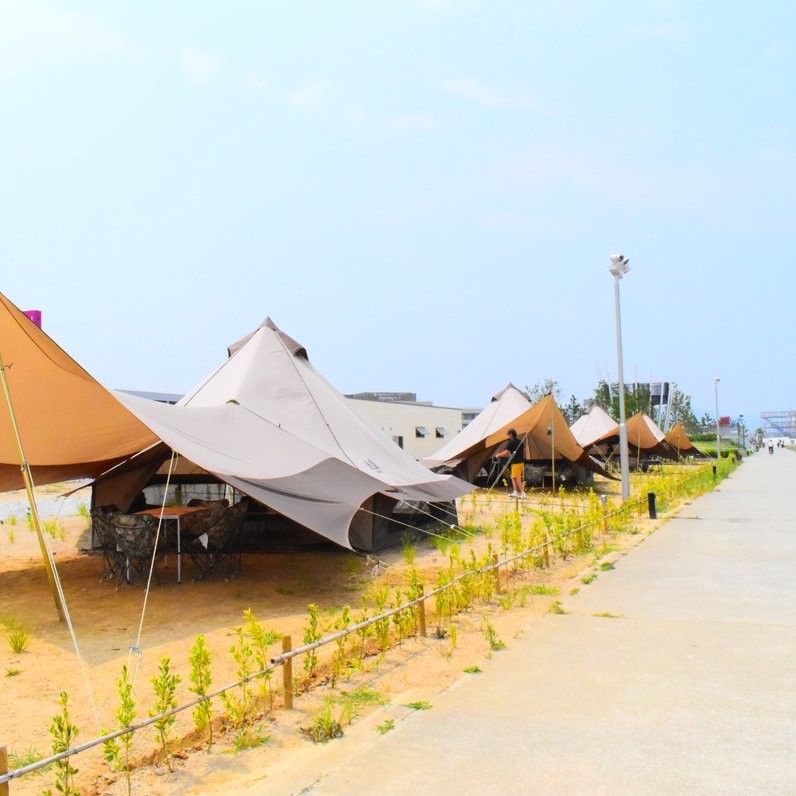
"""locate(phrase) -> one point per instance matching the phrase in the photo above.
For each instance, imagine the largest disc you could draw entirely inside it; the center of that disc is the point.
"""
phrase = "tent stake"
(26, 475)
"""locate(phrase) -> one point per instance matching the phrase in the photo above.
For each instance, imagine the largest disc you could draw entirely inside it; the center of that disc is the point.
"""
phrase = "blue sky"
(424, 192)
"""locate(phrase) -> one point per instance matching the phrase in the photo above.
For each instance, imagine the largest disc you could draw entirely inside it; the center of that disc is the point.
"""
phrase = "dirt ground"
(276, 587)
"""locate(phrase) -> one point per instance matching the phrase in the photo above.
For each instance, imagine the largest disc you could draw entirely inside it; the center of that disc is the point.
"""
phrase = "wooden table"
(174, 513)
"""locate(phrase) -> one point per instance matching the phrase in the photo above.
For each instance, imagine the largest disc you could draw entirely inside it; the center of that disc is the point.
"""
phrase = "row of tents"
(265, 423)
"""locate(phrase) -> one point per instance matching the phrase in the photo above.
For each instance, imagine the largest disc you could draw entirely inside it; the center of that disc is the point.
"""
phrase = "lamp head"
(619, 265)
(716, 380)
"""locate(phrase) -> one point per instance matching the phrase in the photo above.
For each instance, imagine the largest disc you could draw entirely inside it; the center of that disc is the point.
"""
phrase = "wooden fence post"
(4, 788)
(287, 674)
(421, 614)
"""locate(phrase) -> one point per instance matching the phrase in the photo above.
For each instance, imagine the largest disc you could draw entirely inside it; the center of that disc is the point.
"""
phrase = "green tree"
(680, 410)
(542, 388)
(573, 410)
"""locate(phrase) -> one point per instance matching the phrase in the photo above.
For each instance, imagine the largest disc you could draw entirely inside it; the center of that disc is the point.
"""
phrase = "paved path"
(692, 690)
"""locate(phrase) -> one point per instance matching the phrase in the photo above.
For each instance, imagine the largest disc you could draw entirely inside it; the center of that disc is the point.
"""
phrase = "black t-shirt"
(515, 448)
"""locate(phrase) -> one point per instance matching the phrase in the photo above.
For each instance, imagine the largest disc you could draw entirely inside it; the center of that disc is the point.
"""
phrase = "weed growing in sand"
(552, 591)
(607, 565)
(202, 678)
(609, 615)
(165, 684)
(312, 633)
(473, 670)
(125, 715)
(11, 533)
(385, 726)
(587, 579)
(83, 511)
(13, 672)
(18, 638)
(381, 595)
(410, 549)
(557, 608)
(490, 634)
(63, 732)
(573, 592)
(11, 520)
(325, 727)
(418, 706)
(26, 758)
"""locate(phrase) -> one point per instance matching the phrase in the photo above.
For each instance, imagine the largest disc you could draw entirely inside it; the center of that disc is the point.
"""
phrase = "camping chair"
(216, 545)
(102, 525)
(135, 541)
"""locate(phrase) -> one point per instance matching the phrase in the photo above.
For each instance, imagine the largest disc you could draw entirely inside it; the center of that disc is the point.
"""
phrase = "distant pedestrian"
(515, 452)
(771, 447)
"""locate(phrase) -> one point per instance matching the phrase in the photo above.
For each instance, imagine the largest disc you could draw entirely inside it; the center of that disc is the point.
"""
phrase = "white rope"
(136, 648)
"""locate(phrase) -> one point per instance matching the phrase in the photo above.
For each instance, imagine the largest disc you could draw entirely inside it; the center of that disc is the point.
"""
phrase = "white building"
(419, 428)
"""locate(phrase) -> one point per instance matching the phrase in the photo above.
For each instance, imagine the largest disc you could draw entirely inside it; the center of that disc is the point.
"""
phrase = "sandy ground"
(276, 587)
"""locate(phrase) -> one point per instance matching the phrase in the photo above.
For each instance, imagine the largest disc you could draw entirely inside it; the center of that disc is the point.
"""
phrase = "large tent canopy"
(542, 427)
(679, 440)
(269, 424)
(595, 427)
(644, 435)
(70, 425)
(466, 450)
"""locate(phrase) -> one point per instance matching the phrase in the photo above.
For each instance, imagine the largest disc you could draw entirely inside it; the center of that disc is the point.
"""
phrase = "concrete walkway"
(691, 689)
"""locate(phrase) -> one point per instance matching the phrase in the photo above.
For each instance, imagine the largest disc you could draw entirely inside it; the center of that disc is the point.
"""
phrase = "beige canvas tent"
(71, 426)
(679, 440)
(594, 428)
(542, 427)
(465, 453)
(644, 436)
(270, 425)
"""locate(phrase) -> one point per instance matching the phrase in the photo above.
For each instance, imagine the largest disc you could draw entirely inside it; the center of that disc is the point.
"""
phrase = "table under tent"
(552, 455)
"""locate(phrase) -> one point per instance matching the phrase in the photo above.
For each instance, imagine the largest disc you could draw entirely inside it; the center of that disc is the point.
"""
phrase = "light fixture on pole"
(718, 430)
(619, 267)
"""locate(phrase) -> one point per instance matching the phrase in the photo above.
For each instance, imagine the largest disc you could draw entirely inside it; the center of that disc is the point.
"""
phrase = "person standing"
(515, 452)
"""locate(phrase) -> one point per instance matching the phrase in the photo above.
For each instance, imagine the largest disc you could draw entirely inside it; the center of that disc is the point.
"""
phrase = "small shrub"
(325, 727)
(606, 565)
(587, 579)
(385, 726)
(492, 637)
(418, 706)
(165, 685)
(473, 670)
(64, 732)
(13, 672)
(557, 608)
(202, 678)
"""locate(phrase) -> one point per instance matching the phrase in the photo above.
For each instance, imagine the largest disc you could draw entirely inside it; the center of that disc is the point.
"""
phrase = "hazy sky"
(423, 192)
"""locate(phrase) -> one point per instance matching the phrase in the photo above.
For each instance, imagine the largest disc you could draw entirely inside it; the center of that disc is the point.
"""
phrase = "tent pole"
(28, 479)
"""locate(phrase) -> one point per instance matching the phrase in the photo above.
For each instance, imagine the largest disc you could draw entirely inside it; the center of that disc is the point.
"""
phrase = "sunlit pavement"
(688, 688)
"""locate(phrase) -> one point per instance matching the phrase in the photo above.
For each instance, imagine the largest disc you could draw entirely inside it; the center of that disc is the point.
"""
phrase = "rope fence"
(288, 654)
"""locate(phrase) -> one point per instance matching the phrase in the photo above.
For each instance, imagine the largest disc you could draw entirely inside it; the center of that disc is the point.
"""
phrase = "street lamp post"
(718, 429)
(619, 267)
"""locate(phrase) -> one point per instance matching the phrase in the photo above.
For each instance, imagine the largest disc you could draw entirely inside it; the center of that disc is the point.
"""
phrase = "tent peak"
(295, 348)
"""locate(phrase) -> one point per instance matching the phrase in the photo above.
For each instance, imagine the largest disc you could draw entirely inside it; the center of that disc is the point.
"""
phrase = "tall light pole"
(619, 267)
(718, 431)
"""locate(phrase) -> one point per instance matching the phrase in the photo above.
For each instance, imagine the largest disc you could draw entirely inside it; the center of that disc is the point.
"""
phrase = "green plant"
(342, 623)
(385, 726)
(609, 615)
(18, 636)
(542, 589)
(239, 705)
(83, 511)
(312, 633)
(574, 591)
(26, 758)
(125, 715)
(418, 705)
(165, 684)
(606, 565)
(261, 640)
(202, 678)
(325, 726)
(492, 637)
(587, 579)
(473, 670)
(13, 672)
(354, 702)
(63, 732)
(557, 608)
